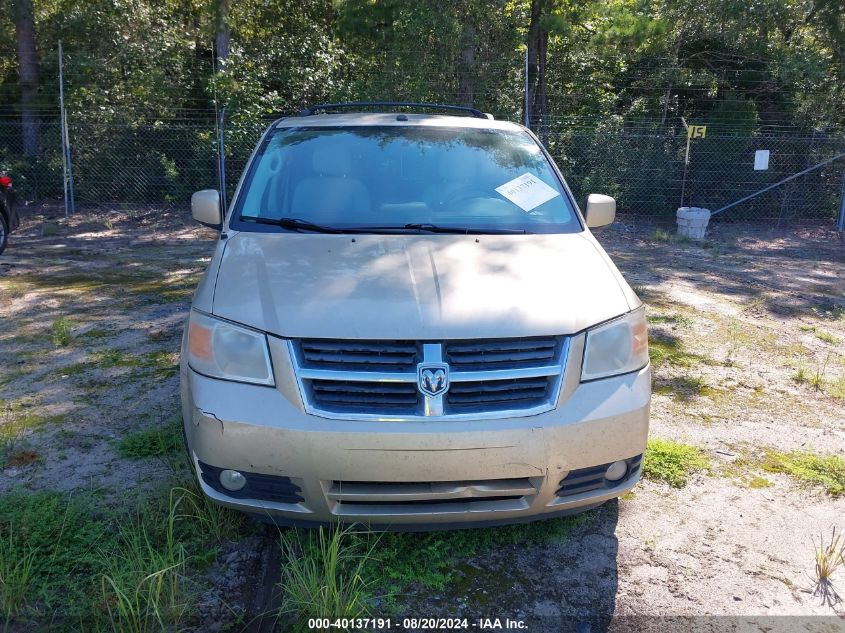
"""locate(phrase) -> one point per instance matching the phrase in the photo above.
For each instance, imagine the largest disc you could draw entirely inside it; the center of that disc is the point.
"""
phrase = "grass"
(827, 337)
(16, 571)
(393, 561)
(220, 523)
(325, 575)
(153, 442)
(825, 471)
(68, 559)
(829, 557)
(671, 319)
(143, 585)
(661, 235)
(61, 332)
(673, 462)
(668, 349)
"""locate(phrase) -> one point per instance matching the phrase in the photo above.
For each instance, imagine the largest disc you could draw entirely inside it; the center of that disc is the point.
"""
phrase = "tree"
(27, 75)
(538, 45)
(223, 31)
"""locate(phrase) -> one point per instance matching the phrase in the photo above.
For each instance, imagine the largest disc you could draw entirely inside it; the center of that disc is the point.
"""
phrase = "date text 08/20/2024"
(387, 624)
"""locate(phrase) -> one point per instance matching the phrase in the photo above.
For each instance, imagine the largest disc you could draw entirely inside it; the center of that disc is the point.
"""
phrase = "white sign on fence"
(761, 160)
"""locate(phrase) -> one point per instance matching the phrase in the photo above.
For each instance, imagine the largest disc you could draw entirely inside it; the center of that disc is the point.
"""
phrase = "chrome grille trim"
(439, 407)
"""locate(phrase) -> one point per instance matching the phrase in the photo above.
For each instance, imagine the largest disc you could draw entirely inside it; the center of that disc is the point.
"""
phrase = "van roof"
(394, 118)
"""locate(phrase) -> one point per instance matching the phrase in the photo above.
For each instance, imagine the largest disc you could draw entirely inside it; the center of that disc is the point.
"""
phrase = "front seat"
(331, 195)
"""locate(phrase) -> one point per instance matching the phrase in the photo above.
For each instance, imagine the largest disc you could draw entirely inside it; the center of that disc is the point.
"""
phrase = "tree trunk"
(27, 75)
(466, 65)
(223, 32)
(538, 41)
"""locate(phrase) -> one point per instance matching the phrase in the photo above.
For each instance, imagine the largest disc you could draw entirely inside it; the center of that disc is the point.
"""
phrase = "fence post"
(840, 224)
(67, 166)
(221, 124)
(62, 127)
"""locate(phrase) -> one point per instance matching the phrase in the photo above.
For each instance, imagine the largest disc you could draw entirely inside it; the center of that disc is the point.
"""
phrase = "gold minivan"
(407, 323)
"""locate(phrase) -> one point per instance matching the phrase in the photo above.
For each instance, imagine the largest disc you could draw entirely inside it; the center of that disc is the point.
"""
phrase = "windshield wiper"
(463, 230)
(295, 224)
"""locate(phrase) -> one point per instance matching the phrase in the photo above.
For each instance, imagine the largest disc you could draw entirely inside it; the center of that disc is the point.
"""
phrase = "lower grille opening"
(428, 502)
(258, 486)
(592, 478)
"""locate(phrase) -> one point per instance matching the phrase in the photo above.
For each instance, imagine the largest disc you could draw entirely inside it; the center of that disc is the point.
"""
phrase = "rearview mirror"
(205, 208)
(601, 210)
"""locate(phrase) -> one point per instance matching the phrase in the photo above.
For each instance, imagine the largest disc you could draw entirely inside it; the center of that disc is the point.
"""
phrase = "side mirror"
(601, 210)
(205, 208)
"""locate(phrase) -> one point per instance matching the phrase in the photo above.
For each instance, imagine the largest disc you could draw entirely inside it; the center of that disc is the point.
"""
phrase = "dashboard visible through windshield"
(402, 178)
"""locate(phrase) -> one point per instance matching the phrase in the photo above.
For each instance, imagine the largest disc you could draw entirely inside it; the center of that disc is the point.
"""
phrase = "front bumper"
(407, 475)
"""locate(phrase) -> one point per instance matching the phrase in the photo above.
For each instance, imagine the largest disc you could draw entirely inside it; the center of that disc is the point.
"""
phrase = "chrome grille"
(373, 380)
(481, 394)
(351, 354)
(493, 354)
(377, 397)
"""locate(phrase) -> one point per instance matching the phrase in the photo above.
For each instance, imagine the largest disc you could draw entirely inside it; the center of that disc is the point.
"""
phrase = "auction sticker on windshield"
(527, 191)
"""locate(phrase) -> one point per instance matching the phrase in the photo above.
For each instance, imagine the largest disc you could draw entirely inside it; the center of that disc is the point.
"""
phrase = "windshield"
(403, 177)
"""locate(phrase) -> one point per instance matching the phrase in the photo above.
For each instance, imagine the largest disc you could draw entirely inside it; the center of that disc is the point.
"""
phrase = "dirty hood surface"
(416, 286)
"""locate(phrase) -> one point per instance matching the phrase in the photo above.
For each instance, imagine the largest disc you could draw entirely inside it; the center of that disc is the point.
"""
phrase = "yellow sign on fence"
(696, 131)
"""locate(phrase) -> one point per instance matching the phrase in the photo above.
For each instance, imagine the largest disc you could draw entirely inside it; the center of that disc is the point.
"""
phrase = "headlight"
(617, 347)
(223, 350)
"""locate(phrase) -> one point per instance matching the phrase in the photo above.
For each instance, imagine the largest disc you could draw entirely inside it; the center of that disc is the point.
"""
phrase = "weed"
(673, 319)
(826, 471)
(429, 559)
(672, 462)
(827, 337)
(668, 349)
(325, 574)
(801, 375)
(829, 557)
(154, 442)
(836, 388)
(737, 338)
(96, 333)
(16, 569)
(62, 535)
(660, 235)
(221, 523)
(61, 332)
(807, 328)
(142, 586)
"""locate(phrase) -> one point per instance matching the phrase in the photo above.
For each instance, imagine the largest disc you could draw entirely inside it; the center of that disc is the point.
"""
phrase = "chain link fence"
(162, 164)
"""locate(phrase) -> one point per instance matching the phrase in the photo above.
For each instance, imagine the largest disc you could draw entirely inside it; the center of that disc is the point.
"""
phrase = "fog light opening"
(232, 480)
(616, 471)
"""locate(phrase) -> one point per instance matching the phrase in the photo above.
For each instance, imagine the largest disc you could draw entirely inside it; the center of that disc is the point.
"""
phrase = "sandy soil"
(749, 309)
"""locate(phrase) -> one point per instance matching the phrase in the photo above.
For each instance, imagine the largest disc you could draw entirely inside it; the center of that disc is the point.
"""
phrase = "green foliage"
(66, 558)
(429, 558)
(335, 572)
(672, 462)
(16, 570)
(153, 442)
(61, 332)
(61, 537)
(323, 575)
(825, 471)
(143, 582)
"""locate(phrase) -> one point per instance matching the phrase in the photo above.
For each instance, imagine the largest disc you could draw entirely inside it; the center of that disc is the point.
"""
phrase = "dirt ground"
(753, 322)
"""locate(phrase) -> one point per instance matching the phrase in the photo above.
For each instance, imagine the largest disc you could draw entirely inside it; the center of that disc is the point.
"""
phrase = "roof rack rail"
(478, 114)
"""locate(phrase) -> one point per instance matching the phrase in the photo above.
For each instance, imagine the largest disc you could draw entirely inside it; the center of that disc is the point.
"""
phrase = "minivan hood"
(417, 286)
